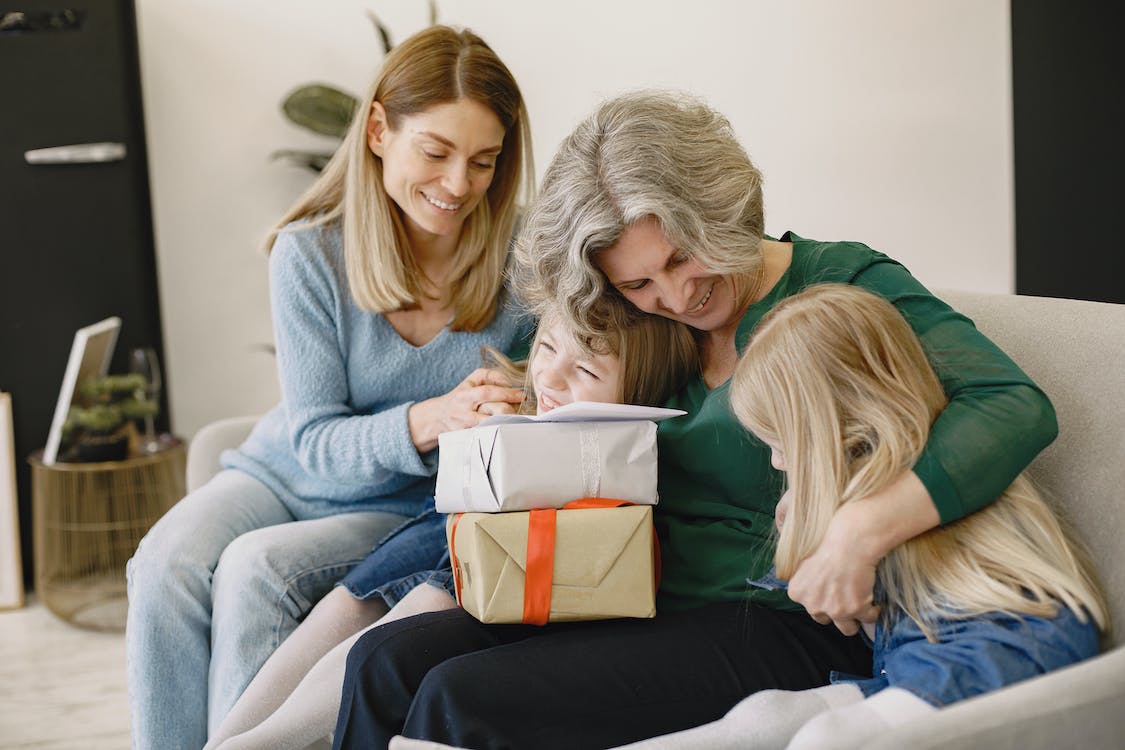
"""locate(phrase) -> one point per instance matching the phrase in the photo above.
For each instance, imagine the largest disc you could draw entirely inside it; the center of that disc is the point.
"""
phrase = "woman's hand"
(484, 393)
(836, 583)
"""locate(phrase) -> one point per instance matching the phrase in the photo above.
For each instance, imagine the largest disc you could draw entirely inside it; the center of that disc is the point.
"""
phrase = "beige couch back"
(1076, 352)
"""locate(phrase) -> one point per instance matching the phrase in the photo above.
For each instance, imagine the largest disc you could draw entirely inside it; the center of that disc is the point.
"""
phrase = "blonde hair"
(838, 378)
(433, 67)
(657, 357)
(647, 154)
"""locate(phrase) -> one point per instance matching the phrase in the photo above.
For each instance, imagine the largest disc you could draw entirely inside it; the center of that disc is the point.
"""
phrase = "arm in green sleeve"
(997, 421)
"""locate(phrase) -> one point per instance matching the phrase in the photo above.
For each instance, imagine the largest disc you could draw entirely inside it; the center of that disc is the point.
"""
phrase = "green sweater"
(718, 490)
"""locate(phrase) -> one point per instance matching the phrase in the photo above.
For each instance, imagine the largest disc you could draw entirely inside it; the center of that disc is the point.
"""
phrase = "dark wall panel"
(1069, 106)
(77, 241)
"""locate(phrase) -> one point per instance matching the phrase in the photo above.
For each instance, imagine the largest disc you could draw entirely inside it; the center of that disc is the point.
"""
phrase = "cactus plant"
(97, 427)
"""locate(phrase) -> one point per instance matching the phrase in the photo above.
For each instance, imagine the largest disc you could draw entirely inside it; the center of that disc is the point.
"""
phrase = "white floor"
(60, 686)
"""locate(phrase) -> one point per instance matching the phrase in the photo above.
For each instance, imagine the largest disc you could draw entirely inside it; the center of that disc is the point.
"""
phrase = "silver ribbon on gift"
(591, 453)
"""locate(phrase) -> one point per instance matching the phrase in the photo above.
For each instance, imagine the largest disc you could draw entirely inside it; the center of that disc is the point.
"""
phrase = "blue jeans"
(414, 553)
(214, 587)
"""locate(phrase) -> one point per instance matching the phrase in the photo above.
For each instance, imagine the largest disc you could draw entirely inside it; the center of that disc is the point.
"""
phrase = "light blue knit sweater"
(339, 441)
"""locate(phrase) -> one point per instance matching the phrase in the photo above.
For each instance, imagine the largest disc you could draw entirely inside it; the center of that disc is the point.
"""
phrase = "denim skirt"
(414, 553)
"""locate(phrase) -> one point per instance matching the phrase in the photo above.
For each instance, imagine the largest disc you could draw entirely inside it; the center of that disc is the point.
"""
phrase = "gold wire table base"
(88, 519)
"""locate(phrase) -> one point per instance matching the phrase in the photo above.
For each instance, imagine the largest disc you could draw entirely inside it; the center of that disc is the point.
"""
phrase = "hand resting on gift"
(483, 393)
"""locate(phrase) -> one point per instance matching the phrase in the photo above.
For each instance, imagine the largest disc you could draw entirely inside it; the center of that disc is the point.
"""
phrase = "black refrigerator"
(76, 238)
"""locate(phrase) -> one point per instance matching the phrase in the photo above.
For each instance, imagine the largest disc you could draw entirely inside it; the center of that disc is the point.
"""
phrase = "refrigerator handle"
(79, 153)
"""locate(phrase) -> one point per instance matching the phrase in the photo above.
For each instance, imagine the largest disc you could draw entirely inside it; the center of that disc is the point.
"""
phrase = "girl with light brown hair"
(641, 363)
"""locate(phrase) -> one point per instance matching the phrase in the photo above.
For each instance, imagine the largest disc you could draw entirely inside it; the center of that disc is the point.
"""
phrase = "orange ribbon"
(456, 564)
(540, 570)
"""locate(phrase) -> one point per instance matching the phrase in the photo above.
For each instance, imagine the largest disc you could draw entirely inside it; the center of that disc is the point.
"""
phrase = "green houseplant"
(327, 110)
(101, 422)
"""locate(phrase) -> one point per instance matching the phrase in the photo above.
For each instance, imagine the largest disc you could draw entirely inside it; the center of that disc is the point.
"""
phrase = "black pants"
(446, 677)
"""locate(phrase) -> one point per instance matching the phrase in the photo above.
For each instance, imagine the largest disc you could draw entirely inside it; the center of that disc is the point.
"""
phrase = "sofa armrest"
(209, 443)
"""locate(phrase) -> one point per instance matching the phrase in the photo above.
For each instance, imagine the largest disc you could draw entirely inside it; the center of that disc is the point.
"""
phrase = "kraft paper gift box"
(602, 565)
(519, 466)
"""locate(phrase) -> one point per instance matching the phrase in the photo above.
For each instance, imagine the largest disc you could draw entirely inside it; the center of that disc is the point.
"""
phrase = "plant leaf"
(384, 35)
(320, 108)
(314, 160)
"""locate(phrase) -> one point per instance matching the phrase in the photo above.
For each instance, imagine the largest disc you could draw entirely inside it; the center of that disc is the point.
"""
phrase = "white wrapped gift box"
(522, 463)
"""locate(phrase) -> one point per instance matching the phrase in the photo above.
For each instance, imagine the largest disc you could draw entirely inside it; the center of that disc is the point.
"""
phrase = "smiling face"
(561, 372)
(663, 280)
(438, 163)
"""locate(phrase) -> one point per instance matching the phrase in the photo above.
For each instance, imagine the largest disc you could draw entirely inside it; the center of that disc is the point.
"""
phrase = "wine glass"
(143, 361)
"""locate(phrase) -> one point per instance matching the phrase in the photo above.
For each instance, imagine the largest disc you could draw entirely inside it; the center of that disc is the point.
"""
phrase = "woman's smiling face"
(663, 280)
(438, 163)
(561, 372)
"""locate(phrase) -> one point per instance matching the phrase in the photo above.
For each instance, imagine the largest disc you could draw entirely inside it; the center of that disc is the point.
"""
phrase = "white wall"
(875, 120)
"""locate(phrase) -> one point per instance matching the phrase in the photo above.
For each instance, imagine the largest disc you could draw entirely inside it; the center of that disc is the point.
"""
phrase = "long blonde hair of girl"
(657, 357)
(839, 380)
(432, 67)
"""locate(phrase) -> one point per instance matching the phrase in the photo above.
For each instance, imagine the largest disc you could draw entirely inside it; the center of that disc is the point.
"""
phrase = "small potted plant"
(100, 424)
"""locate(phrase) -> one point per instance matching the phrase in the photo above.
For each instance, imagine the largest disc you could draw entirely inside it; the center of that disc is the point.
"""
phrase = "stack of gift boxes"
(551, 521)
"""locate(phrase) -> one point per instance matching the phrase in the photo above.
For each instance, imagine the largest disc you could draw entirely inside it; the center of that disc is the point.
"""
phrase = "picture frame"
(89, 357)
(11, 565)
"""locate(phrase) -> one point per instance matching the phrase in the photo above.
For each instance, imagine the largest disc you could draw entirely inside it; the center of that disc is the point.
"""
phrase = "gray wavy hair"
(658, 154)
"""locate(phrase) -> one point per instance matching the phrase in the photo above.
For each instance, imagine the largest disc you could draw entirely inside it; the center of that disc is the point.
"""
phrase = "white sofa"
(1076, 351)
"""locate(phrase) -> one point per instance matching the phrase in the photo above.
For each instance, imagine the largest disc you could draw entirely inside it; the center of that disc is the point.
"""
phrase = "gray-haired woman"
(652, 207)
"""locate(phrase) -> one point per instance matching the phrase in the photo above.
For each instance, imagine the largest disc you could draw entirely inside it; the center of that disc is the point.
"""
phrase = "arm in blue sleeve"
(331, 441)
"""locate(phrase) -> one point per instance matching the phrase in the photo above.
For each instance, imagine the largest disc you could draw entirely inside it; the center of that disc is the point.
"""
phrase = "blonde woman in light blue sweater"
(386, 280)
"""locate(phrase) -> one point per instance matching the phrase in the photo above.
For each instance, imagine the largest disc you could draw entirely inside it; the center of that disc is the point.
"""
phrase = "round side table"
(88, 519)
